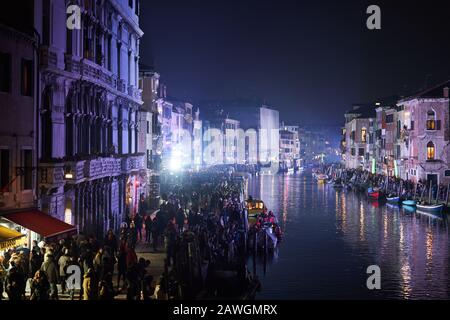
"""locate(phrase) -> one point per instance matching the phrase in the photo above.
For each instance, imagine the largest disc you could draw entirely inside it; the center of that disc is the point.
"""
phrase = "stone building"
(359, 123)
(18, 160)
(428, 134)
(91, 172)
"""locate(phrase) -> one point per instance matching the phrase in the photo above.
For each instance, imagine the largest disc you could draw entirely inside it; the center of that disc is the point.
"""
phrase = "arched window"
(431, 151)
(431, 120)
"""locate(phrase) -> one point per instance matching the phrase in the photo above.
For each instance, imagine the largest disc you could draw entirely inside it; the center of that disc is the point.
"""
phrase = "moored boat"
(430, 207)
(393, 199)
(373, 193)
(411, 203)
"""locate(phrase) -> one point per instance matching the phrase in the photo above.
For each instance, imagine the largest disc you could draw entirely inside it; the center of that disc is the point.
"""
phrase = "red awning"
(41, 223)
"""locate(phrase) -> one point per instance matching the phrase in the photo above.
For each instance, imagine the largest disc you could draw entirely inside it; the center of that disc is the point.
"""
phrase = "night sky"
(309, 59)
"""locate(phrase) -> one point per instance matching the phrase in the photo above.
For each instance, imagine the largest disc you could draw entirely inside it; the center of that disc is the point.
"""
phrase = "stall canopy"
(42, 223)
(10, 238)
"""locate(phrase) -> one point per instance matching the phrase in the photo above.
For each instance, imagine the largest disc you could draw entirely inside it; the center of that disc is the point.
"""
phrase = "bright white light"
(175, 164)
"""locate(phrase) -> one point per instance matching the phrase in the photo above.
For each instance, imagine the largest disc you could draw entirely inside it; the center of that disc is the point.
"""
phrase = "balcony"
(102, 167)
(97, 73)
(133, 163)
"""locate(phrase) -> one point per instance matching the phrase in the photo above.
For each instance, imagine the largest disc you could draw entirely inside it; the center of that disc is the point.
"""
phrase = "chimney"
(446, 92)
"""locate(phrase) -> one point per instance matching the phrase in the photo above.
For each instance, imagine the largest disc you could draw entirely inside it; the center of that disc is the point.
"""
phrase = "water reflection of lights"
(385, 227)
(405, 272)
(362, 222)
(429, 246)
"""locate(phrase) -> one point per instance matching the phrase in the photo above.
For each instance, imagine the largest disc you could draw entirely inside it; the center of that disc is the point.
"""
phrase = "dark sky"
(309, 59)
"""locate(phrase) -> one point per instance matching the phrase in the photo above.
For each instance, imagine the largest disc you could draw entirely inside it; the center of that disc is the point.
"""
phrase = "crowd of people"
(199, 204)
(45, 268)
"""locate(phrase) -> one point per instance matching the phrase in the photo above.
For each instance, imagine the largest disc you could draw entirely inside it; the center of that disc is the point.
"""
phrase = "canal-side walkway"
(143, 250)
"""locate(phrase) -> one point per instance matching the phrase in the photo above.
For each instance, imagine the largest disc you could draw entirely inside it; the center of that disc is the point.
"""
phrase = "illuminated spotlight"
(175, 164)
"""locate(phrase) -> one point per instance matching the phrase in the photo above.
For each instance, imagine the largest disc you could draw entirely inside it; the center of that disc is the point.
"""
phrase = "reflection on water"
(331, 237)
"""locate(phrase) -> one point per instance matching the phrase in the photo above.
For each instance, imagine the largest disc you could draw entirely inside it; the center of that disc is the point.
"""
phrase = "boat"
(322, 177)
(393, 199)
(255, 207)
(373, 193)
(411, 203)
(430, 207)
(409, 209)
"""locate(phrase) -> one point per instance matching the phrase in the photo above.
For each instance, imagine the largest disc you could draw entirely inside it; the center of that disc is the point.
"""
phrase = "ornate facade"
(91, 172)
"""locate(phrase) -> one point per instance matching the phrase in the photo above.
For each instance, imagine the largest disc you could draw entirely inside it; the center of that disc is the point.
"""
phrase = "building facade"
(91, 171)
(428, 135)
(408, 138)
(18, 157)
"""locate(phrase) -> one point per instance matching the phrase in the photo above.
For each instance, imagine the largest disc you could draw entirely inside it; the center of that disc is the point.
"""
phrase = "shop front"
(35, 225)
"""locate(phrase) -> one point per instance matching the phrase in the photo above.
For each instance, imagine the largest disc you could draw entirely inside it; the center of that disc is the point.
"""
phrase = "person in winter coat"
(15, 283)
(131, 256)
(40, 286)
(63, 263)
(3, 275)
(148, 228)
(50, 268)
(122, 262)
(133, 284)
(106, 288)
(90, 285)
(35, 260)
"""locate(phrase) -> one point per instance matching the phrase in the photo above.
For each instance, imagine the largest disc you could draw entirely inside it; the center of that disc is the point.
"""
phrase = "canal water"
(331, 237)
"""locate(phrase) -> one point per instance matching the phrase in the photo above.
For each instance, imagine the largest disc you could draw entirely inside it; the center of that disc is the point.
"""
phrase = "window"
(46, 20)
(447, 173)
(389, 118)
(353, 151)
(130, 3)
(398, 151)
(118, 60)
(27, 163)
(399, 129)
(4, 170)
(148, 127)
(27, 78)
(363, 135)
(412, 125)
(109, 54)
(431, 120)
(361, 152)
(431, 152)
(5, 72)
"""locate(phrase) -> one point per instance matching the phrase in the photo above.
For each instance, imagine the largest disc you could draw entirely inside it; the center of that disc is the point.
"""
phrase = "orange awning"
(10, 238)
(42, 223)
